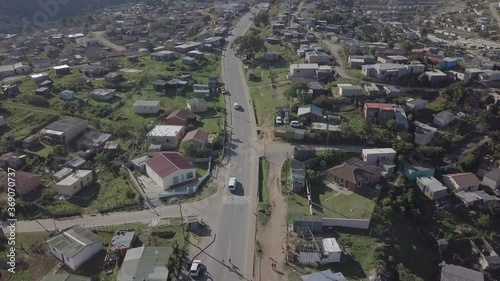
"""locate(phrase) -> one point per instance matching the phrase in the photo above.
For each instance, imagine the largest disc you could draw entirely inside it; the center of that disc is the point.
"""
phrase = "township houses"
(170, 170)
(376, 156)
(197, 137)
(424, 134)
(165, 136)
(451, 272)
(310, 113)
(492, 179)
(391, 71)
(66, 129)
(303, 71)
(146, 107)
(378, 113)
(163, 56)
(348, 90)
(354, 174)
(413, 171)
(443, 118)
(92, 141)
(75, 182)
(74, 246)
(181, 117)
(196, 105)
(461, 182)
(103, 94)
(187, 47)
(432, 188)
(145, 263)
(12, 160)
(25, 182)
(325, 275)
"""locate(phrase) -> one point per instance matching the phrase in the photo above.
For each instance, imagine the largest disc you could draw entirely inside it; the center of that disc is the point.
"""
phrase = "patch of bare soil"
(271, 235)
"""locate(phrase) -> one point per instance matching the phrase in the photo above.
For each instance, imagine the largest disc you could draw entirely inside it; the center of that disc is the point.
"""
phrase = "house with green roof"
(145, 263)
(74, 246)
(65, 277)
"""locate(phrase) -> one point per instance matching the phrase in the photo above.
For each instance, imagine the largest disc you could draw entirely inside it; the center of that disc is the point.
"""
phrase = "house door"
(81, 184)
(62, 257)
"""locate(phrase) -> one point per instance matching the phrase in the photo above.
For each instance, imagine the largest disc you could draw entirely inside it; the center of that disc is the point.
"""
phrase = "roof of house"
(196, 135)
(304, 66)
(445, 114)
(310, 108)
(65, 124)
(391, 88)
(494, 174)
(354, 170)
(194, 101)
(464, 179)
(424, 126)
(145, 263)
(22, 177)
(378, 151)
(123, 238)
(165, 131)
(451, 272)
(297, 165)
(330, 245)
(146, 103)
(165, 163)
(183, 114)
(385, 106)
(72, 240)
(349, 87)
(325, 275)
(73, 178)
(64, 277)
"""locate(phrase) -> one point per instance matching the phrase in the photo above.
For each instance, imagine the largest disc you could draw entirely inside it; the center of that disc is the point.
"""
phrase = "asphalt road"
(231, 256)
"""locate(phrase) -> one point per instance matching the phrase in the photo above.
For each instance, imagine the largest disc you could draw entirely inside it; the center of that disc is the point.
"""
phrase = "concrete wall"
(352, 223)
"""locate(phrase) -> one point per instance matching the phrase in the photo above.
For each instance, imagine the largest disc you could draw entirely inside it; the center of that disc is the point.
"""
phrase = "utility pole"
(182, 218)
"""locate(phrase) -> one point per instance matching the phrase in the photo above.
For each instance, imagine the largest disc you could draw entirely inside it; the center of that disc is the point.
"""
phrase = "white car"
(236, 105)
(195, 268)
(296, 124)
(232, 184)
(279, 120)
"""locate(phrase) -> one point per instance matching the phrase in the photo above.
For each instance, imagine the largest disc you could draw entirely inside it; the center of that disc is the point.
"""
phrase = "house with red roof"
(197, 137)
(170, 170)
(181, 117)
(461, 182)
(378, 113)
(24, 182)
(354, 174)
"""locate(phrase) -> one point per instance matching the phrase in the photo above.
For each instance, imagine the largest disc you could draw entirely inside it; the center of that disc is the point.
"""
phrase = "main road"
(231, 255)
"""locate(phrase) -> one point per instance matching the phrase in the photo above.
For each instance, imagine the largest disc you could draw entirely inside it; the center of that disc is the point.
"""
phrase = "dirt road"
(101, 36)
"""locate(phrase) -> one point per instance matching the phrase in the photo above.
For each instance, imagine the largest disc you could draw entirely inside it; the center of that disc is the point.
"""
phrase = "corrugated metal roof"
(64, 277)
(145, 263)
(451, 272)
(72, 240)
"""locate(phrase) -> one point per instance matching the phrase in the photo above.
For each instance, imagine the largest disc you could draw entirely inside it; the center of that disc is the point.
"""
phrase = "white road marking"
(233, 199)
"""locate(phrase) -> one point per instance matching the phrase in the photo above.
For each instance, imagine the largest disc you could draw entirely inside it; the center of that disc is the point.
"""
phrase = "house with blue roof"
(413, 171)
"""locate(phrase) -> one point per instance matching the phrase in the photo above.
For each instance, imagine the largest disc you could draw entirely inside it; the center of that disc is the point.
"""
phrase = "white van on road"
(232, 184)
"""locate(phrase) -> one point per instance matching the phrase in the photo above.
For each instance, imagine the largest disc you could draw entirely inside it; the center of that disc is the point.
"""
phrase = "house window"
(189, 175)
(154, 140)
(359, 183)
(367, 180)
(168, 140)
(175, 179)
(87, 178)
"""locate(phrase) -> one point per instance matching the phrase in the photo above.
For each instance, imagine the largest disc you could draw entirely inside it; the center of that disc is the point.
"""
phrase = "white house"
(431, 187)
(348, 90)
(146, 107)
(492, 179)
(75, 182)
(461, 182)
(168, 136)
(304, 71)
(375, 155)
(331, 250)
(39, 77)
(169, 170)
(443, 118)
(74, 246)
(416, 104)
(388, 71)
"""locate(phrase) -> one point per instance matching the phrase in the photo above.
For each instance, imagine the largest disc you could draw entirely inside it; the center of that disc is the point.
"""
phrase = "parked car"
(279, 120)
(232, 184)
(296, 124)
(236, 105)
(196, 268)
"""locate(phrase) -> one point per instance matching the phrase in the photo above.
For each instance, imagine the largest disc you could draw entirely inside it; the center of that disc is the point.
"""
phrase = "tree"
(292, 91)
(249, 45)
(187, 148)
(261, 19)
(423, 79)
(407, 46)
(484, 221)
(456, 93)
(391, 124)
(402, 147)
(405, 274)
(470, 161)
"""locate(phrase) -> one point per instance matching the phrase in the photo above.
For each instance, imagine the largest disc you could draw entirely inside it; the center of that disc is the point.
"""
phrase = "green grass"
(355, 73)
(264, 204)
(263, 101)
(436, 106)
(21, 119)
(201, 169)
